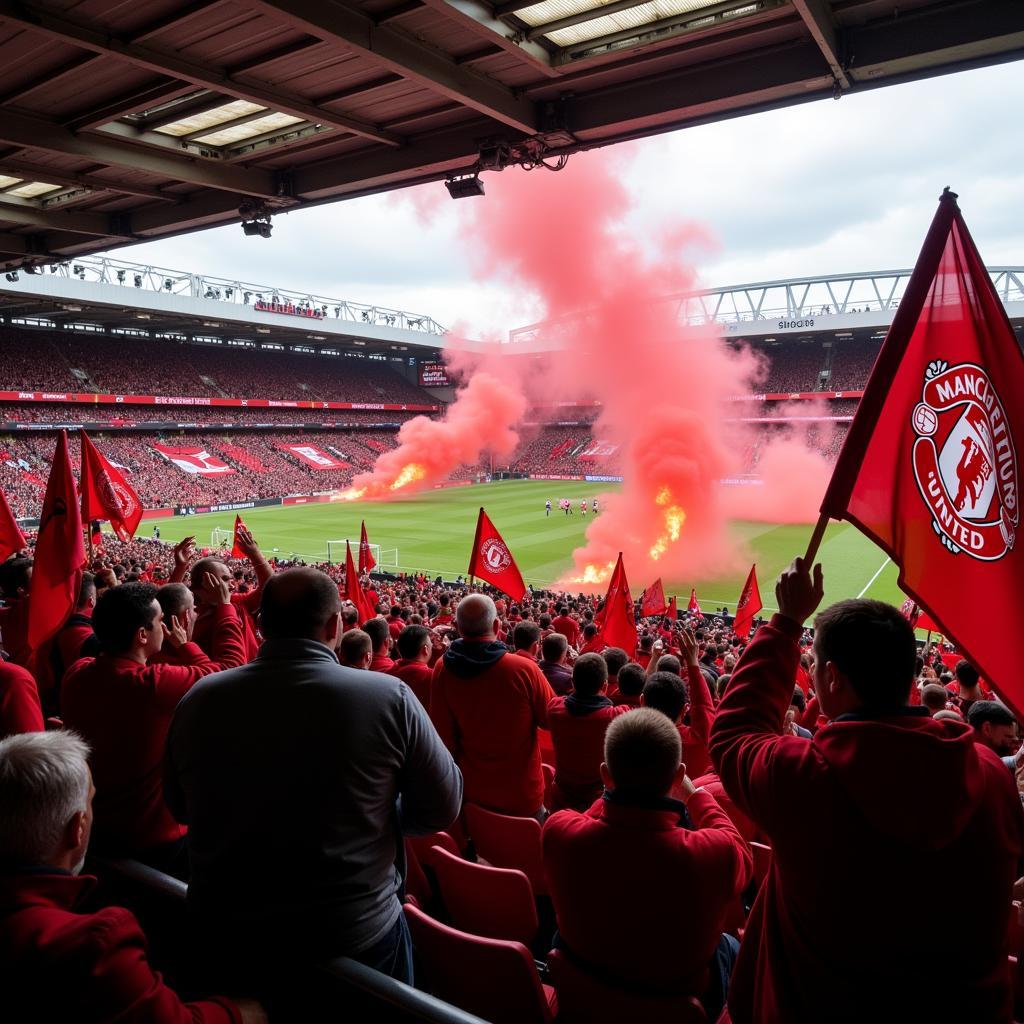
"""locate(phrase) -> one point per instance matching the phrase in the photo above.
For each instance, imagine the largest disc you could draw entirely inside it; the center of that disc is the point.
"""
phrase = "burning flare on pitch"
(409, 475)
(592, 574)
(674, 519)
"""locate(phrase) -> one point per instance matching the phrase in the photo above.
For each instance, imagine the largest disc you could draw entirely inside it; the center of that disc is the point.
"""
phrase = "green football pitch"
(433, 533)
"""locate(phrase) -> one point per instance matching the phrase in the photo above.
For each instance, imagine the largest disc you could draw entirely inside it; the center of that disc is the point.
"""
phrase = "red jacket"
(663, 934)
(247, 606)
(617, 697)
(713, 785)
(417, 676)
(568, 627)
(579, 749)
(122, 710)
(381, 663)
(696, 755)
(487, 705)
(867, 821)
(20, 710)
(59, 963)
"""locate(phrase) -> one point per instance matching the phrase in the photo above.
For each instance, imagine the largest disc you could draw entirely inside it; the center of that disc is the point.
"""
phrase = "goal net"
(222, 539)
(384, 557)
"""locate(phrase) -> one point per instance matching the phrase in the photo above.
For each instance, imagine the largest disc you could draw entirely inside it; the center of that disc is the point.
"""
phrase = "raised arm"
(702, 710)
(252, 551)
(750, 754)
(184, 550)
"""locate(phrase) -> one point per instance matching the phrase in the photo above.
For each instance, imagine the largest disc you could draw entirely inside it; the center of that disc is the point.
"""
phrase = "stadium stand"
(852, 362)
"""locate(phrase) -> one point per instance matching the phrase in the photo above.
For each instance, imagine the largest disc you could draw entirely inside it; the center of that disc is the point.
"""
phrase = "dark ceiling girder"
(817, 16)
(478, 17)
(40, 172)
(359, 90)
(175, 19)
(262, 60)
(395, 13)
(23, 211)
(200, 74)
(927, 38)
(406, 56)
(35, 133)
(202, 101)
(129, 103)
(502, 10)
(13, 245)
(19, 92)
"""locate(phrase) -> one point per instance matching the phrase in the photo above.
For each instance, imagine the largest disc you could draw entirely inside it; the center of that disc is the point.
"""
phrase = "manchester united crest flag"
(492, 561)
(930, 469)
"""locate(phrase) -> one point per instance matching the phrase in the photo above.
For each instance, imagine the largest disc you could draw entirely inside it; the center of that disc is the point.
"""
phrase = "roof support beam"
(35, 133)
(19, 92)
(479, 19)
(40, 172)
(129, 103)
(205, 75)
(246, 67)
(583, 17)
(406, 56)
(23, 211)
(817, 16)
(13, 245)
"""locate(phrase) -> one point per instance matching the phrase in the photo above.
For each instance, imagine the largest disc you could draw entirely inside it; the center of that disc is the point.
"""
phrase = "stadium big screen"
(434, 375)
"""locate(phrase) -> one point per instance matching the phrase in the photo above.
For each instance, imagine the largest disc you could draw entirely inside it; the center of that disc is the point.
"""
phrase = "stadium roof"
(122, 122)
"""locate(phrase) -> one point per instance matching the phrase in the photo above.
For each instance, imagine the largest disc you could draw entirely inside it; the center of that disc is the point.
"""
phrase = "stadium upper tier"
(122, 123)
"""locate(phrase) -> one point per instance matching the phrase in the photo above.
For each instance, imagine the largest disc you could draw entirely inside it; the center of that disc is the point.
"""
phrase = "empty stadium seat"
(493, 978)
(494, 902)
(585, 999)
(507, 842)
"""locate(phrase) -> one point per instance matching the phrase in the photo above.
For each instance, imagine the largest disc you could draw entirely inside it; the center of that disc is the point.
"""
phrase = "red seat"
(506, 842)
(417, 885)
(423, 844)
(494, 902)
(762, 862)
(585, 999)
(493, 978)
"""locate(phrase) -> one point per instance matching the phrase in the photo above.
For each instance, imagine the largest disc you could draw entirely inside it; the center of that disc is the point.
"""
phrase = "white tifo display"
(384, 557)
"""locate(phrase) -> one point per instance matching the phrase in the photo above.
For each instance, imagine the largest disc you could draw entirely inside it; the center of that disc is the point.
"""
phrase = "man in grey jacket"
(298, 778)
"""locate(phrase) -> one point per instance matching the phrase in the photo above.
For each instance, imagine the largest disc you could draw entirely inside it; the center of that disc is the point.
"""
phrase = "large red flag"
(653, 600)
(106, 494)
(617, 620)
(748, 605)
(236, 547)
(366, 559)
(11, 537)
(694, 606)
(353, 590)
(929, 469)
(59, 554)
(492, 561)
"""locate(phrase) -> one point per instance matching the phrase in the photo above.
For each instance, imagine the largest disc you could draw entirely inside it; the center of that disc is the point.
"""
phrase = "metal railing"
(146, 277)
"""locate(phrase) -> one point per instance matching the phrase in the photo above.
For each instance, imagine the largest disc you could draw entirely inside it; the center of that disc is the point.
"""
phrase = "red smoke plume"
(664, 386)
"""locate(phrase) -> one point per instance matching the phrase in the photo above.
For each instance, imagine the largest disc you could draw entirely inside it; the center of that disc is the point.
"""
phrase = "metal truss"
(144, 277)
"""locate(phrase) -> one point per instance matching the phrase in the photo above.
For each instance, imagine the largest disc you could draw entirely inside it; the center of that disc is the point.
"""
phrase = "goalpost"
(222, 539)
(384, 557)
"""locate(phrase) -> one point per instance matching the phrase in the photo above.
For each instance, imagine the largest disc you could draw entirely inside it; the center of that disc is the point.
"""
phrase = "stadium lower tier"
(219, 467)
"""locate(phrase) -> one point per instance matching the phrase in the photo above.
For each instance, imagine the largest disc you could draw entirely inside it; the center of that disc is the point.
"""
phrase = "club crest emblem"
(495, 555)
(965, 463)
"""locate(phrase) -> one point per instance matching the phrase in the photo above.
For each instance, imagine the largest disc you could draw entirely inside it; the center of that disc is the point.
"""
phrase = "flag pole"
(816, 538)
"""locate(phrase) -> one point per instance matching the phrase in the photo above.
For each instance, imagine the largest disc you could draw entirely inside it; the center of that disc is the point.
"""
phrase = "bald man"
(297, 777)
(487, 705)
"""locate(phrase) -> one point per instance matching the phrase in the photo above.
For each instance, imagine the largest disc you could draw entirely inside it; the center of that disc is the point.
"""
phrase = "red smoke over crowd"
(664, 386)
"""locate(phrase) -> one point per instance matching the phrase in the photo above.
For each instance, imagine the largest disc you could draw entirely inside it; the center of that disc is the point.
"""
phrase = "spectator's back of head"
(300, 604)
(476, 616)
(554, 647)
(873, 646)
(525, 635)
(121, 612)
(666, 692)
(411, 641)
(615, 658)
(589, 675)
(966, 675)
(174, 599)
(934, 697)
(379, 633)
(631, 679)
(355, 648)
(86, 592)
(642, 753)
(44, 787)
(670, 663)
(15, 577)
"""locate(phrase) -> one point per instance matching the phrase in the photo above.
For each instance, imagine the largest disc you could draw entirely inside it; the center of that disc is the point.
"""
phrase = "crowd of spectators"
(792, 365)
(45, 360)
(411, 740)
(122, 415)
(852, 359)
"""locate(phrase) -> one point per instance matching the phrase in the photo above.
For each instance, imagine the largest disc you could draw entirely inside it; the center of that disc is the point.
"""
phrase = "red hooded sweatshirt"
(868, 821)
(59, 962)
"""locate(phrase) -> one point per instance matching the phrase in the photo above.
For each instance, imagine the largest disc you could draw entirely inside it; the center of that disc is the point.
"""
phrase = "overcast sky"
(825, 187)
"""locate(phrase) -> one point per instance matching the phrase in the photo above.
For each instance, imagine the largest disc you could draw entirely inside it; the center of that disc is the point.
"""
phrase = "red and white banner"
(598, 450)
(315, 458)
(194, 460)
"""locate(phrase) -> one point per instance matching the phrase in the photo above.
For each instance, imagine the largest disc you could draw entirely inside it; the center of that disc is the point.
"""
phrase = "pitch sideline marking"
(875, 577)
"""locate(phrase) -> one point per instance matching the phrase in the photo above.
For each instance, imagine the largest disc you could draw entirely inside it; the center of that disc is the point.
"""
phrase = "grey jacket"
(297, 777)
